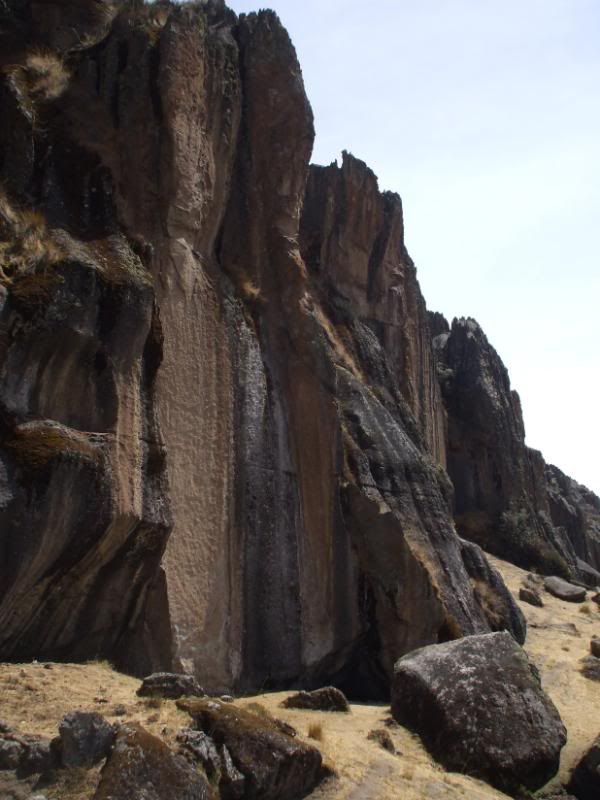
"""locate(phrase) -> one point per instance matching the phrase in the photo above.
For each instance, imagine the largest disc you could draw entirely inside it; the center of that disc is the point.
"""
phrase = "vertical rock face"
(213, 358)
(505, 497)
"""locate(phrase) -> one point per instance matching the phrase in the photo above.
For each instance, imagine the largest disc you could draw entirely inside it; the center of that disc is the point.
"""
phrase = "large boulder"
(170, 685)
(326, 699)
(142, 767)
(86, 739)
(479, 707)
(274, 764)
(564, 590)
(585, 778)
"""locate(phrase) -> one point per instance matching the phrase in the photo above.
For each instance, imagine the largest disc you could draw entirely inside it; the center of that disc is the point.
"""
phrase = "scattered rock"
(326, 699)
(86, 739)
(590, 668)
(170, 685)
(273, 764)
(564, 590)
(142, 767)
(11, 751)
(531, 596)
(119, 710)
(585, 778)
(39, 756)
(226, 698)
(383, 738)
(478, 705)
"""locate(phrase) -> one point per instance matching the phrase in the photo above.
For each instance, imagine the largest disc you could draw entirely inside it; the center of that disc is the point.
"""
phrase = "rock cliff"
(222, 436)
(506, 498)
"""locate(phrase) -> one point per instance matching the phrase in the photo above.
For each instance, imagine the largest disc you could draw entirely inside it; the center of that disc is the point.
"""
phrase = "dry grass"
(41, 78)
(315, 731)
(27, 248)
(585, 609)
(490, 603)
(250, 291)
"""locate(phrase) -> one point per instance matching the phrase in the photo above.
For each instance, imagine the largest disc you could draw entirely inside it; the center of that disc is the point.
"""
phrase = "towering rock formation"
(213, 358)
(505, 496)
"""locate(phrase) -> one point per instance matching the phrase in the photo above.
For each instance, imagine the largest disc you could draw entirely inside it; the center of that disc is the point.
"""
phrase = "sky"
(485, 117)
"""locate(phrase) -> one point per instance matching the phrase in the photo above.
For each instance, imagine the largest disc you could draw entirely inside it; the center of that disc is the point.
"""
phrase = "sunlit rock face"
(221, 432)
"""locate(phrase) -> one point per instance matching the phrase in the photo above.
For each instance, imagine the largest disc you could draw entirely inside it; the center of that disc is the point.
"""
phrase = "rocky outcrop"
(479, 707)
(506, 498)
(142, 767)
(229, 367)
(273, 764)
(326, 699)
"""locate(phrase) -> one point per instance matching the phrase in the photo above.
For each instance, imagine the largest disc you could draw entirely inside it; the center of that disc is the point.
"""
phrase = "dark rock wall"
(214, 358)
(505, 496)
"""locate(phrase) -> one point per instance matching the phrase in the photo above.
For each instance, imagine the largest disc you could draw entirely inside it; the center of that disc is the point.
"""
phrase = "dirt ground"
(35, 697)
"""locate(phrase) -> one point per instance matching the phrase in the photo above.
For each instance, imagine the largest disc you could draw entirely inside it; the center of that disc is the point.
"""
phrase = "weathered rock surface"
(274, 765)
(585, 779)
(564, 590)
(85, 739)
(170, 685)
(326, 699)
(479, 707)
(530, 595)
(142, 767)
(219, 342)
(506, 498)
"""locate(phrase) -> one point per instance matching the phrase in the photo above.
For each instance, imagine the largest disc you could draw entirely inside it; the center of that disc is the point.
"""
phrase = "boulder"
(274, 764)
(197, 746)
(589, 576)
(39, 756)
(585, 778)
(530, 595)
(170, 685)
(595, 646)
(11, 751)
(564, 590)
(326, 699)
(142, 767)
(479, 707)
(86, 738)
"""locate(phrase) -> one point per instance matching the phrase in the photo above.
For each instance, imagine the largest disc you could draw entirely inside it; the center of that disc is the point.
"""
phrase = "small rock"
(595, 647)
(383, 738)
(596, 599)
(10, 753)
(564, 590)
(86, 738)
(119, 710)
(100, 700)
(226, 698)
(326, 699)
(170, 685)
(46, 666)
(39, 756)
(585, 778)
(590, 668)
(531, 596)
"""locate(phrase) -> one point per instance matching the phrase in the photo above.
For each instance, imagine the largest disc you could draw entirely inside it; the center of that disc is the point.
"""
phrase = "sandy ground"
(35, 697)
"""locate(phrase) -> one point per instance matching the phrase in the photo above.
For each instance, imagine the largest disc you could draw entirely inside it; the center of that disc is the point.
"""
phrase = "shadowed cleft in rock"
(274, 764)
(479, 707)
(326, 699)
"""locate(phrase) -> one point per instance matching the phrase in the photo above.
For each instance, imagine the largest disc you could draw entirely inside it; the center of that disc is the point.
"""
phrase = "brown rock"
(326, 699)
(585, 778)
(274, 765)
(531, 596)
(141, 767)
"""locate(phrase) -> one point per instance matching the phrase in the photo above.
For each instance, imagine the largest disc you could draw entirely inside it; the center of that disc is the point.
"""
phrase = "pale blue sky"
(485, 117)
